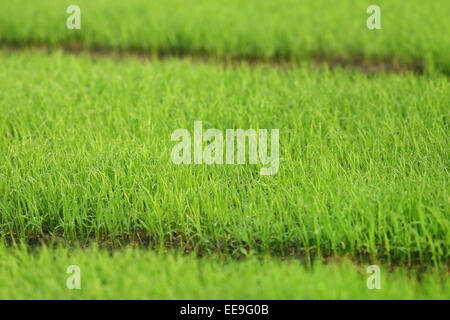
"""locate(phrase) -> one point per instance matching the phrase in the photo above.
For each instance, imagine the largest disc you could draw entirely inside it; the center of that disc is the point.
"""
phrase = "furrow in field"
(357, 63)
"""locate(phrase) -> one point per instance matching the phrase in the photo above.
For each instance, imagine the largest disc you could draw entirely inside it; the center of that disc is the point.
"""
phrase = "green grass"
(363, 158)
(140, 274)
(415, 32)
(85, 146)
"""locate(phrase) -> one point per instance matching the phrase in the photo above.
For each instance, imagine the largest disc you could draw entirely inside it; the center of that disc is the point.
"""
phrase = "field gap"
(356, 63)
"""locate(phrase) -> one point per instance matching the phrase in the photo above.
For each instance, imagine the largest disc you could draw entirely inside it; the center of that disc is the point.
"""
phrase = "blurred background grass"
(142, 274)
(413, 32)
